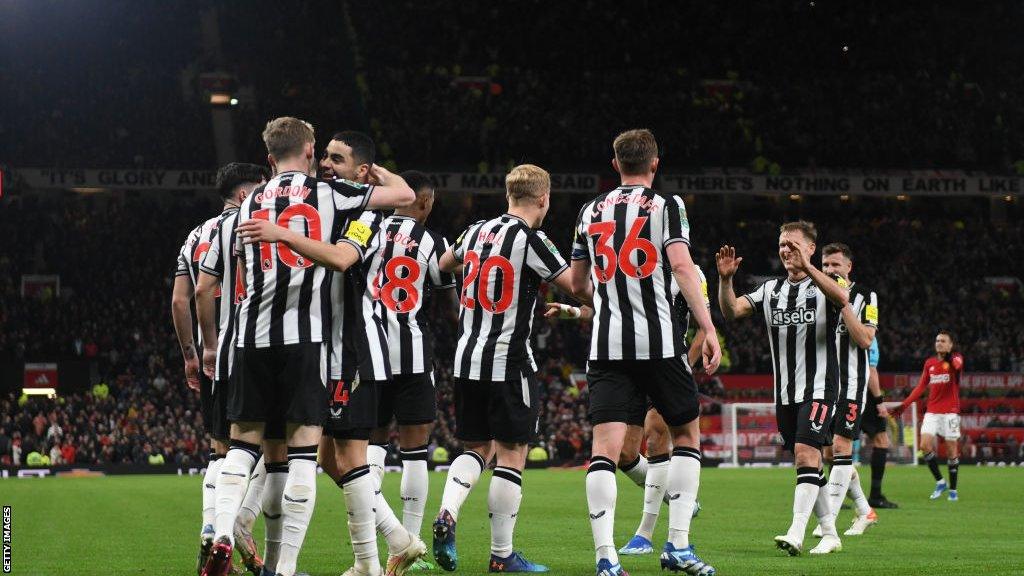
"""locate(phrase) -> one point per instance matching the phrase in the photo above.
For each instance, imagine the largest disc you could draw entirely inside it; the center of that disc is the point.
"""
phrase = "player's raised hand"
(192, 372)
(555, 309)
(711, 353)
(255, 230)
(381, 176)
(209, 361)
(727, 262)
(797, 256)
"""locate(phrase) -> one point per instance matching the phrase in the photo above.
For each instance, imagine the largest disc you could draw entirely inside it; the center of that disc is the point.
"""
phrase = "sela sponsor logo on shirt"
(938, 379)
(794, 317)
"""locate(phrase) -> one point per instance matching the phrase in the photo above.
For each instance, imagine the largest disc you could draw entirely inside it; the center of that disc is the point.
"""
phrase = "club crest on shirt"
(812, 291)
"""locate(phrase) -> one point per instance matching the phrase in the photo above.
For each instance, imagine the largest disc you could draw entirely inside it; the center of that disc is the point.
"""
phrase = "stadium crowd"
(844, 87)
(115, 259)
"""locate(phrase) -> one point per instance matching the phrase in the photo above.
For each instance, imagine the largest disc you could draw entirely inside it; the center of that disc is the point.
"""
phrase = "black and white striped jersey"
(287, 297)
(358, 338)
(801, 325)
(853, 360)
(624, 235)
(682, 308)
(221, 261)
(191, 254)
(504, 263)
(402, 273)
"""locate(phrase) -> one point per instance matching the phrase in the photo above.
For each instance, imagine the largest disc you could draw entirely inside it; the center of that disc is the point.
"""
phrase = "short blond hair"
(634, 151)
(527, 181)
(802, 226)
(285, 136)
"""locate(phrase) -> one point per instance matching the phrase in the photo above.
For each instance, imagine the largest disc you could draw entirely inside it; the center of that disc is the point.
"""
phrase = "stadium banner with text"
(495, 182)
(931, 183)
(146, 179)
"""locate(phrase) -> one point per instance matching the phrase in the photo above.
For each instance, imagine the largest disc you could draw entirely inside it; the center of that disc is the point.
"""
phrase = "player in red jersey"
(941, 375)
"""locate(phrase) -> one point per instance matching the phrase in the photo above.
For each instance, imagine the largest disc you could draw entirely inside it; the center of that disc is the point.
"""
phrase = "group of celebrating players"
(309, 294)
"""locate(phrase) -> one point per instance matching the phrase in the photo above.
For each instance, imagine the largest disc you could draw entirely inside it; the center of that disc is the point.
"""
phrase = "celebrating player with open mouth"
(801, 313)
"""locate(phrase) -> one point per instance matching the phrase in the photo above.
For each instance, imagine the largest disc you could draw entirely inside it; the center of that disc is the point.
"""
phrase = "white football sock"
(376, 454)
(503, 498)
(683, 483)
(823, 507)
(388, 524)
(803, 501)
(253, 502)
(360, 497)
(297, 505)
(210, 489)
(273, 495)
(462, 476)
(654, 492)
(414, 487)
(838, 483)
(601, 495)
(636, 470)
(231, 482)
(857, 493)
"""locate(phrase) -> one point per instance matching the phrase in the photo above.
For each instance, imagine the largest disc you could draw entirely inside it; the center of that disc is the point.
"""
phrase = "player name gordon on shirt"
(283, 192)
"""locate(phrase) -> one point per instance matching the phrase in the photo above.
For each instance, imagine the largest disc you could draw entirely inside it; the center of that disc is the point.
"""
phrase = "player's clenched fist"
(727, 261)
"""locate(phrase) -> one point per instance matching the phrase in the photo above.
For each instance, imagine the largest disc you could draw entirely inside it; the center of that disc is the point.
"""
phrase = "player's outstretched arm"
(181, 296)
(861, 333)
(558, 310)
(728, 263)
(391, 190)
(922, 384)
(335, 256)
(206, 288)
(689, 285)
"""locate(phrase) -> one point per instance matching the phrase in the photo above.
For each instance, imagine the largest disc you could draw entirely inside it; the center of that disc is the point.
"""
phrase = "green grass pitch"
(150, 525)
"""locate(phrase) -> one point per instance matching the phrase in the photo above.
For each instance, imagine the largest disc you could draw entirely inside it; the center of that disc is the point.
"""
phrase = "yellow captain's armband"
(871, 313)
(359, 232)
